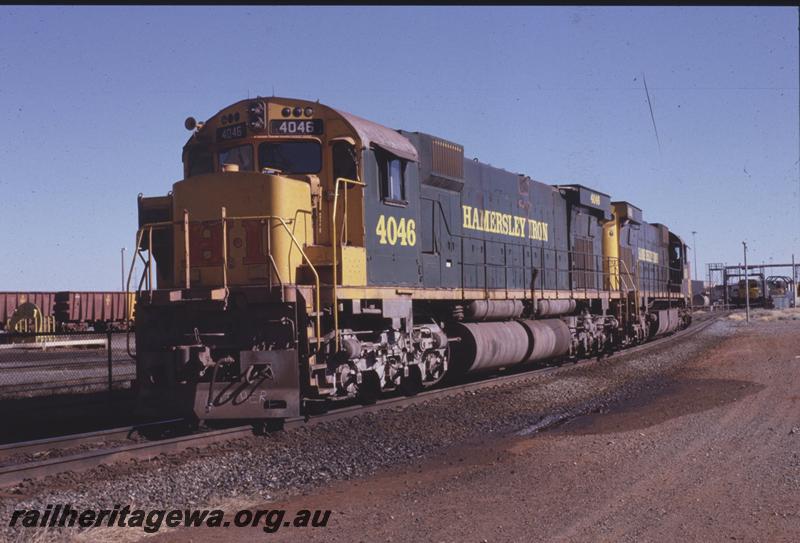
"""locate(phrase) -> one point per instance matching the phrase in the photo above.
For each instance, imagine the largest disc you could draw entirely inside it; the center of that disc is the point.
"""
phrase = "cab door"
(350, 223)
(392, 217)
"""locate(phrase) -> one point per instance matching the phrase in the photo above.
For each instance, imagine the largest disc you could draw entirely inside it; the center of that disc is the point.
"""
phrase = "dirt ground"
(712, 455)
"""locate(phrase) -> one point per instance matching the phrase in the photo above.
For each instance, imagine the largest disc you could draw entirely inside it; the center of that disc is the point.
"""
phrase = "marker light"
(309, 112)
(298, 111)
(286, 111)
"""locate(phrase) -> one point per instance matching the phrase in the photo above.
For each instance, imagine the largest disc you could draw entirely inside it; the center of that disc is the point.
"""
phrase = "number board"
(232, 132)
(286, 127)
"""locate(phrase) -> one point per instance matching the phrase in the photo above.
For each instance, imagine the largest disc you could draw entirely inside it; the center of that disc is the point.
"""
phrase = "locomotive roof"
(372, 133)
(577, 186)
(625, 202)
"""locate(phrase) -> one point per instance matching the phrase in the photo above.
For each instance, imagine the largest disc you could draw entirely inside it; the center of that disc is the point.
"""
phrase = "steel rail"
(16, 473)
(38, 445)
(67, 385)
(59, 365)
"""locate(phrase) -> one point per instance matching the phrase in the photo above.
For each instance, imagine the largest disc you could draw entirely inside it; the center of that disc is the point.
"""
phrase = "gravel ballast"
(256, 469)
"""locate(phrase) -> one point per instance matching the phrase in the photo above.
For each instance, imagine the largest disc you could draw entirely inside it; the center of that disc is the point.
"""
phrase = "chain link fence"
(48, 364)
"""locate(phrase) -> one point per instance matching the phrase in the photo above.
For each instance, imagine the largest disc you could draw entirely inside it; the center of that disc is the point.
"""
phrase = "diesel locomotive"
(309, 256)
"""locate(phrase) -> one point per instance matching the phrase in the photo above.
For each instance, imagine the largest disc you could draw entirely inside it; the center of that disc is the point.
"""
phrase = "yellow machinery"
(28, 319)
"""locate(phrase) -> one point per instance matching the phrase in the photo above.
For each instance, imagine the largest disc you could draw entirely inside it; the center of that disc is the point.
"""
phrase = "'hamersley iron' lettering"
(496, 222)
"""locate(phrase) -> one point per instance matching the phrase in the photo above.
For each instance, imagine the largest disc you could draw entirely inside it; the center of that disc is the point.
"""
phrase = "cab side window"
(344, 161)
(391, 174)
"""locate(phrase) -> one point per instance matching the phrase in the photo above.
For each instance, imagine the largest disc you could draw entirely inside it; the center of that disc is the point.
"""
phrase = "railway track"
(17, 390)
(14, 473)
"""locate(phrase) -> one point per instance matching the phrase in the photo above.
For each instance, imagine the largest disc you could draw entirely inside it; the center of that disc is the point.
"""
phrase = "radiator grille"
(585, 265)
(447, 159)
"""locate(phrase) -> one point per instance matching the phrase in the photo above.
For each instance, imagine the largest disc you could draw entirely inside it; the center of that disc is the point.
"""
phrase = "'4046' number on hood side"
(391, 230)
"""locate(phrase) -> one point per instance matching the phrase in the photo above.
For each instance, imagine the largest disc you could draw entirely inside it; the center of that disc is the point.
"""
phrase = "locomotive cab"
(276, 163)
(679, 276)
(242, 247)
(250, 257)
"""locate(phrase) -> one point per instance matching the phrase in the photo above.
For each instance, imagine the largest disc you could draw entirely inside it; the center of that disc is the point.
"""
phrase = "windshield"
(291, 156)
(241, 156)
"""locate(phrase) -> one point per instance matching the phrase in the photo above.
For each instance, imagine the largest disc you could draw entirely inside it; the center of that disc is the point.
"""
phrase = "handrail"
(139, 235)
(148, 271)
(655, 275)
(147, 274)
(271, 259)
(187, 272)
(186, 223)
(150, 260)
(224, 252)
(635, 286)
(334, 239)
(316, 277)
(285, 223)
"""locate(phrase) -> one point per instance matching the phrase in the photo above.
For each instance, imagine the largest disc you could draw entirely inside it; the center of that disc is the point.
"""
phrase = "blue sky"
(92, 103)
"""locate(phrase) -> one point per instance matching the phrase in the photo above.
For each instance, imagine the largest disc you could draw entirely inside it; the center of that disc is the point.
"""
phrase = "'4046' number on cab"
(391, 230)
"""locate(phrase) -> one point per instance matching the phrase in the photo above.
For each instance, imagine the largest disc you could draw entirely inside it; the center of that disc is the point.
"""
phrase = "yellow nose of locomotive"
(257, 223)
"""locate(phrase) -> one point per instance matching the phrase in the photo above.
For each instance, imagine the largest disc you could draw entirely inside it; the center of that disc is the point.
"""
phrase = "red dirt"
(712, 455)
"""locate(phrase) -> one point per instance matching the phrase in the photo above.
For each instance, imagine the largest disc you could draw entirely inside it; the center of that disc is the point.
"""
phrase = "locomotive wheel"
(370, 388)
(411, 385)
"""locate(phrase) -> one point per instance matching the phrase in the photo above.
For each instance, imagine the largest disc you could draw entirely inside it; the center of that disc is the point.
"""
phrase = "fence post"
(108, 348)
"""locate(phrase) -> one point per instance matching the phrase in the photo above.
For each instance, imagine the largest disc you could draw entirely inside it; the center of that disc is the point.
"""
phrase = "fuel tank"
(667, 320)
(549, 338)
(487, 346)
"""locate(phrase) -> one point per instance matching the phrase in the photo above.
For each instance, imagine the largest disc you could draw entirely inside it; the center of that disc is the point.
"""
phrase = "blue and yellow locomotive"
(310, 255)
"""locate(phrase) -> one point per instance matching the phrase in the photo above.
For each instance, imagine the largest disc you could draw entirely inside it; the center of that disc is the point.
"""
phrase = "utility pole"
(746, 287)
(122, 267)
(694, 249)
